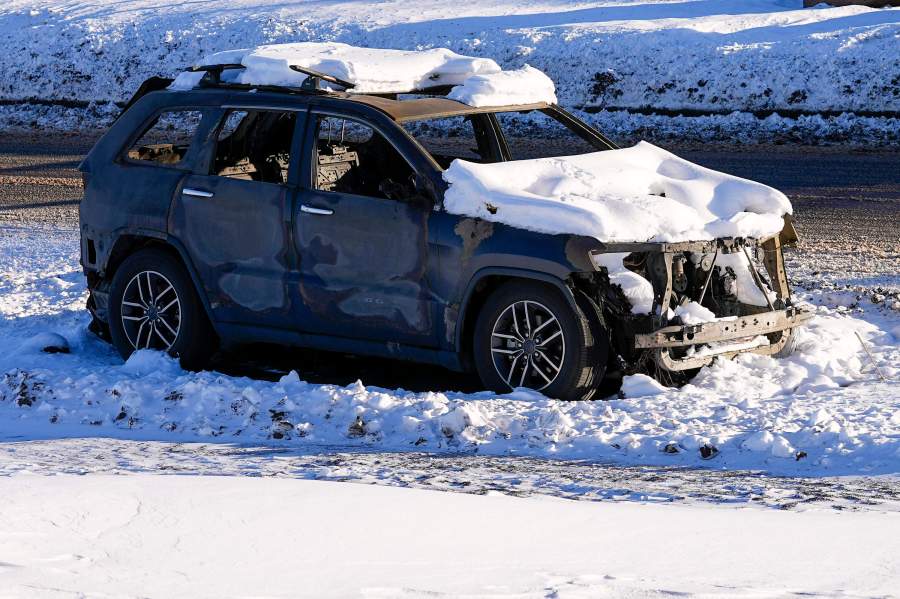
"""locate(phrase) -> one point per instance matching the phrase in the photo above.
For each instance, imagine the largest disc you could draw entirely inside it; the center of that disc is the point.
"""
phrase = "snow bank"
(239, 536)
(825, 400)
(642, 193)
(713, 55)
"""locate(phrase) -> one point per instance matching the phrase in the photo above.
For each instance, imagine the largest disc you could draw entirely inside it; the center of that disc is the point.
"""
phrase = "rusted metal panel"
(724, 330)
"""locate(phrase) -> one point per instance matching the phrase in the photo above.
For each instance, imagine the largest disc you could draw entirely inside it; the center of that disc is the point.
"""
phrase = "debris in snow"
(708, 451)
(357, 428)
(49, 343)
(642, 193)
(671, 448)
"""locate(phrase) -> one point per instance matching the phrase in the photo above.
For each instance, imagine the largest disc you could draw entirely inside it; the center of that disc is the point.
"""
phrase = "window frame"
(187, 163)
(484, 129)
(578, 128)
(311, 137)
(206, 161)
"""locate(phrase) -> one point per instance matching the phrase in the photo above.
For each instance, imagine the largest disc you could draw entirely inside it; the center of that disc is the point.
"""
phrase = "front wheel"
(153, 305)
(528, 335)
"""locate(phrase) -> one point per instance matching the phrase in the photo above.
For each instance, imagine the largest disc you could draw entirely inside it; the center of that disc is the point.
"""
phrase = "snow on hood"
(642, 193)
(375, 70)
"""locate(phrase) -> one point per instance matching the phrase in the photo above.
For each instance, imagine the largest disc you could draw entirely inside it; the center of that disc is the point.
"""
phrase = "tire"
(533, 357)
(178, 322)
(790, 347)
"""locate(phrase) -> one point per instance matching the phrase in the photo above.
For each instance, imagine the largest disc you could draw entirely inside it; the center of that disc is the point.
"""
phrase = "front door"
(362, 238)
(234, 219)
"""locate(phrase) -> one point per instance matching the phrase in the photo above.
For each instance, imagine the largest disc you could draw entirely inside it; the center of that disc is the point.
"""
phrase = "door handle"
(197, 193)
(313, 210)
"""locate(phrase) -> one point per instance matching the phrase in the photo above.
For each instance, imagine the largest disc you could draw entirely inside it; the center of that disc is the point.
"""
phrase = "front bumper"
(724, 337)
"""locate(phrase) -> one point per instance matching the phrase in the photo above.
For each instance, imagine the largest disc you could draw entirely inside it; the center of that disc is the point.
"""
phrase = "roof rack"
(213, 78)
(214, 71)
(311, 83)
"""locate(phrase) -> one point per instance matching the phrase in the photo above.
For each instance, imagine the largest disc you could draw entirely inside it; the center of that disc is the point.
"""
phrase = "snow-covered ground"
(824, 411)
(715, 56)
(174, 536)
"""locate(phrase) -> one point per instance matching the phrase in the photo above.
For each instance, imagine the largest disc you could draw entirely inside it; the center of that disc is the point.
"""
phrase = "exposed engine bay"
(739, 284)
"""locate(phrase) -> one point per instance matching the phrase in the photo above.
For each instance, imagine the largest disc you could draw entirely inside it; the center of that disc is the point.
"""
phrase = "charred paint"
(472, 231)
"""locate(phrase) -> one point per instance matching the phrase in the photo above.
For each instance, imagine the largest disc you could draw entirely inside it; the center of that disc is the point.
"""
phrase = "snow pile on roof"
(376, 70)
(642, 193)
(506, 88)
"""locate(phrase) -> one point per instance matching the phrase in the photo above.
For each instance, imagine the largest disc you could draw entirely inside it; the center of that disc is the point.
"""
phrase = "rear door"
(234, 216)
(361, 231)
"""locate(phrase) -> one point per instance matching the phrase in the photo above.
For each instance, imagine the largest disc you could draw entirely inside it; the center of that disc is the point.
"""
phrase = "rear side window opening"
(167, 140)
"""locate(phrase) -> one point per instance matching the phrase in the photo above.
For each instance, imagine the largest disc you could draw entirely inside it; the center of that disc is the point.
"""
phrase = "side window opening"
(448, 138)
(254, 146)
(354, 158)
(168, 139)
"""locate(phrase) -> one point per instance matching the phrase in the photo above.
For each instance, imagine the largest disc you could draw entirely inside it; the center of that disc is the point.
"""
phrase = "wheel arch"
(127, 244)
(482, 285)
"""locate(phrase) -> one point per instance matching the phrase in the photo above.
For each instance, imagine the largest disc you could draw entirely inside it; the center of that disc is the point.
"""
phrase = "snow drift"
(642, 193)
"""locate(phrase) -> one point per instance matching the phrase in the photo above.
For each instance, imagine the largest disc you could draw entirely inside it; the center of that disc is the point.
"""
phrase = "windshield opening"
(503, 136)
(542, 134)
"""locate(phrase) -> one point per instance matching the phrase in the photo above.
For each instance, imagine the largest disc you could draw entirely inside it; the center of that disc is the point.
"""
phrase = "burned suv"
(233, 213)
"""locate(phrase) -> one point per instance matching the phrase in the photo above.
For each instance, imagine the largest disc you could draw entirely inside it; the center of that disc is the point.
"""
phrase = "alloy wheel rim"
(151, 311)
(528, 346)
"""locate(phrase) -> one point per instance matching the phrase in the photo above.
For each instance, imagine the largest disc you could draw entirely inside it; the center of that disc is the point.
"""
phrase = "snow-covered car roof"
(476, 82)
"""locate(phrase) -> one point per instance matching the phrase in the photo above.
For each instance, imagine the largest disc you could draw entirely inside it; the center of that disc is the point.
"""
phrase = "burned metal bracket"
(661, 267)
(757, 279)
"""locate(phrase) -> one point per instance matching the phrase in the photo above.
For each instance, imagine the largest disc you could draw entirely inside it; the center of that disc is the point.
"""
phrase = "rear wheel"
(528, 335)
(153, 305)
